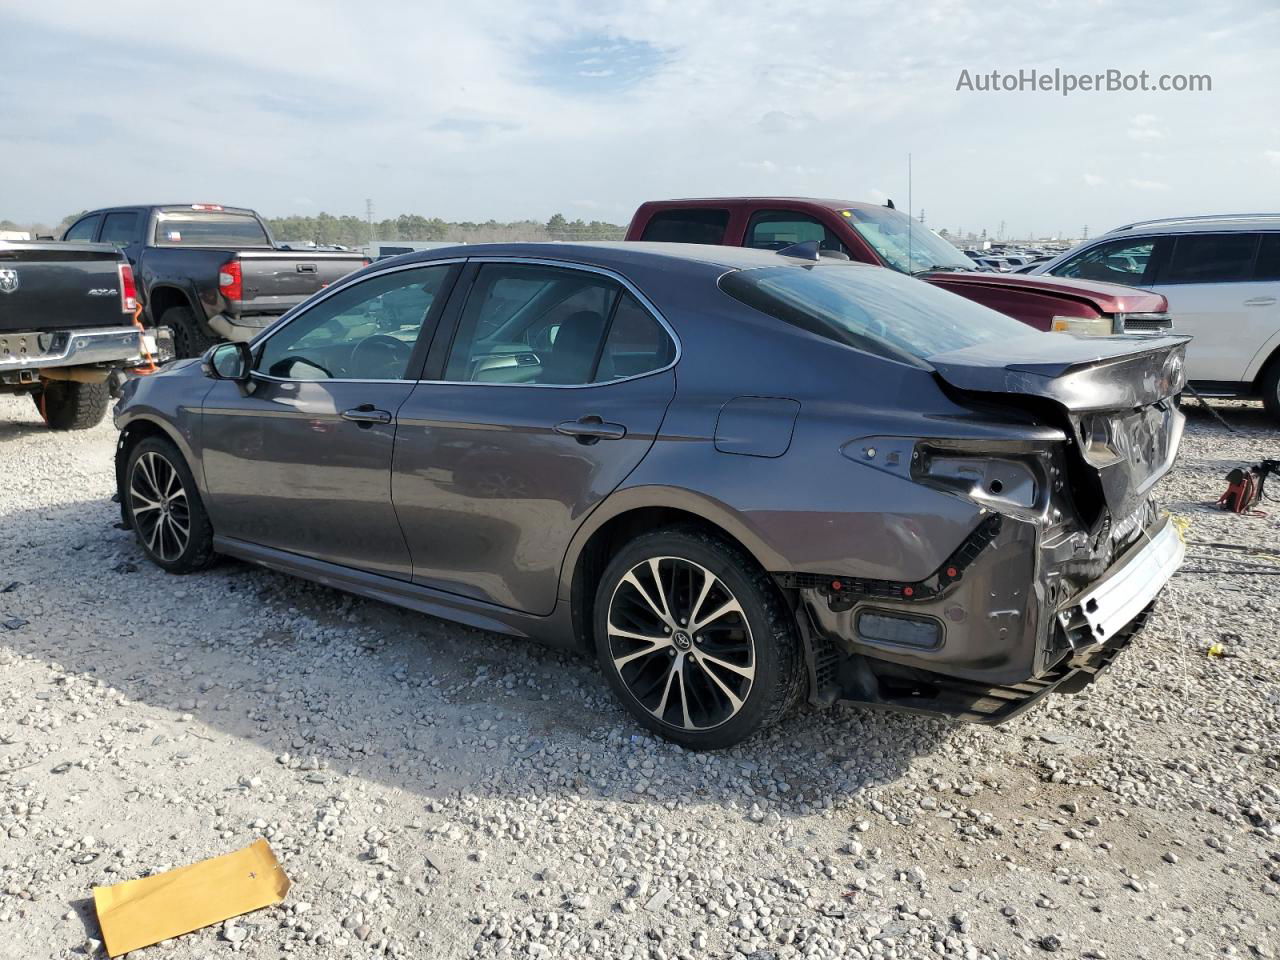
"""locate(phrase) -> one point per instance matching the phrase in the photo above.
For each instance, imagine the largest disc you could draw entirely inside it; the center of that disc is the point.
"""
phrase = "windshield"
(197, 228)
(887, 231)
(874, 310)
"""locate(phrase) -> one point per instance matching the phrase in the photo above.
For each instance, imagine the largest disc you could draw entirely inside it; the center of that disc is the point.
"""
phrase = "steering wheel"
(381, 351)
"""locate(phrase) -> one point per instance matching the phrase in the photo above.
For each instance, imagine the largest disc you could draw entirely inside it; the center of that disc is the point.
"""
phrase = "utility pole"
(368, 215)
(1001, 230)
(922, 214)
(1085, 234)
(910, 266)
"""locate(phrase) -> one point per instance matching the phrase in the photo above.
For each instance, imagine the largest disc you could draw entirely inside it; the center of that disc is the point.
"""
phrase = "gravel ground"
(436, 792)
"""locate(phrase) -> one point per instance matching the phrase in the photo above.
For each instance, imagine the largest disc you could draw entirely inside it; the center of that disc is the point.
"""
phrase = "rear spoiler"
(1081, 373)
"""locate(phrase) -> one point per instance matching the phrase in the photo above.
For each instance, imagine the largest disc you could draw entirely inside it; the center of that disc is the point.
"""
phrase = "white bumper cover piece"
(1132, 582)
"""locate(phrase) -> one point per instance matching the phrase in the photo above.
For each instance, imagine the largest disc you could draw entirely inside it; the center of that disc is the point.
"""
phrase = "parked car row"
(1005, 261)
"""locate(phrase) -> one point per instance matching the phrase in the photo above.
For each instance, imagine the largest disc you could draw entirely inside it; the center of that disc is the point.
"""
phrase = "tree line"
(353, 232)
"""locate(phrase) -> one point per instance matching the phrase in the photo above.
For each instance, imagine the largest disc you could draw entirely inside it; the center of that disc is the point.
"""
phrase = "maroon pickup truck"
(886, 237)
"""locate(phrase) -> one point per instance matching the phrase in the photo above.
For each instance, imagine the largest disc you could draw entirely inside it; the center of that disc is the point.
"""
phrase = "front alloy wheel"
(695, 639)
(164, 508)
(161, 511)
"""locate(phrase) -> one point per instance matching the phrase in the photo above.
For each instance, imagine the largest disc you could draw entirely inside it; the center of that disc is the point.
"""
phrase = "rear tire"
(190, 338)
(1271, 389)
(711, 657)
(68, 405)
(164, 508)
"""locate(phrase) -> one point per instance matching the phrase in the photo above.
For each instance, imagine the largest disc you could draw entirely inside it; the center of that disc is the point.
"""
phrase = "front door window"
(367, 331)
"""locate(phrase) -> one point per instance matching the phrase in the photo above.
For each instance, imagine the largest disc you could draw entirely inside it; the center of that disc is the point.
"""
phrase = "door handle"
(1260, 302)
(591, 429)
(366, 415)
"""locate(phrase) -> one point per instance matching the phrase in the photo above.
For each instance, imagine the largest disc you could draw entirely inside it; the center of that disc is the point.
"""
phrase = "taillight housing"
(231, 280)
(128, 289)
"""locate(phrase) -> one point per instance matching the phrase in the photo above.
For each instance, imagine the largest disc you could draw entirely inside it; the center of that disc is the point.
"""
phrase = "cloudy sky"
(512, 110)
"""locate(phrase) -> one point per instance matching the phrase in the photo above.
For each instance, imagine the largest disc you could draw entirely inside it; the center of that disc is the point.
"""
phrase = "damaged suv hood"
(1115, 394)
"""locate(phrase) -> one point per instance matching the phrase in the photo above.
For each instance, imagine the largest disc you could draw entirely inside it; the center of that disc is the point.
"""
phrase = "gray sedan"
(740, 478)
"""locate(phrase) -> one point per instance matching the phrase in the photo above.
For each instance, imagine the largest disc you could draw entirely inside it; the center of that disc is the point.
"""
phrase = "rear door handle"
(366, 415)
(591, 429)
(1260, 302)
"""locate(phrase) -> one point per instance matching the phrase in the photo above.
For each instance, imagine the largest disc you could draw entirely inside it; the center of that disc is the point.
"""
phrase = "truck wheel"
(189, 336)
(695, 640)
(164, 508)
(1271, 389)
(67, 405)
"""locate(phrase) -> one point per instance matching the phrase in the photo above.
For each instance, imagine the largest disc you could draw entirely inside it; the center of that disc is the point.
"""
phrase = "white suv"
(1221, 276)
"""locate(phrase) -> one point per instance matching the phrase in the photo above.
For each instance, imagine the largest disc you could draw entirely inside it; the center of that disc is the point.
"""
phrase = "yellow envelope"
(138, 913)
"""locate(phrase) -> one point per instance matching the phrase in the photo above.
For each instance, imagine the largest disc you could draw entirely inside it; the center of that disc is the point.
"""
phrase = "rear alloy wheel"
(165, 508)
(695, 640)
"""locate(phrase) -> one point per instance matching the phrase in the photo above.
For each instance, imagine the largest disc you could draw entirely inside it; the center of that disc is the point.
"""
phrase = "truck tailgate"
(274, 281)
(59, 286)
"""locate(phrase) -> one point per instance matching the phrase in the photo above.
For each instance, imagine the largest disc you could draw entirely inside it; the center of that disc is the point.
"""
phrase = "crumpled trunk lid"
(1115, 393)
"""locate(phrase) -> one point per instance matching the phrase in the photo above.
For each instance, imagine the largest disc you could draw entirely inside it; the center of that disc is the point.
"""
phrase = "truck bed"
(275, 280)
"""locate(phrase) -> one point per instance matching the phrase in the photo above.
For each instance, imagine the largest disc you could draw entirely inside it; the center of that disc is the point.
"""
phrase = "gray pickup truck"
(66, 326)
(211, 272)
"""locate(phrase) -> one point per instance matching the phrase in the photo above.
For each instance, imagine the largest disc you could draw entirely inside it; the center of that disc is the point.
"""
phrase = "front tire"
(164, 508)
(695, 639)
(69, 405)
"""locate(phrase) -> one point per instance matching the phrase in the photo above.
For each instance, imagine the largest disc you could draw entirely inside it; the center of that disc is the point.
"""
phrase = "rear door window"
(1127, 260)
(531, 324)
(636, 344)
(83, 229)
(1211, 258)
(121, 228)
(692, 225)
(1268, 265)
(776, 229)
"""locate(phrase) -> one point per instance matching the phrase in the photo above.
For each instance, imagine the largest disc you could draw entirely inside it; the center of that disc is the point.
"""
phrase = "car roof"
(166, 208)
(1218, 223)
(619, 254)
(759, 201)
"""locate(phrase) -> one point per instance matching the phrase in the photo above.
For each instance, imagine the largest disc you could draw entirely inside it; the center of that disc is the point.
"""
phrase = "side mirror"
(228, 361)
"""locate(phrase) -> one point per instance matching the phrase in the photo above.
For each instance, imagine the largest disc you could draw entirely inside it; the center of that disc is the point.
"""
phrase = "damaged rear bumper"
(1129, 586)
(995, 629)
